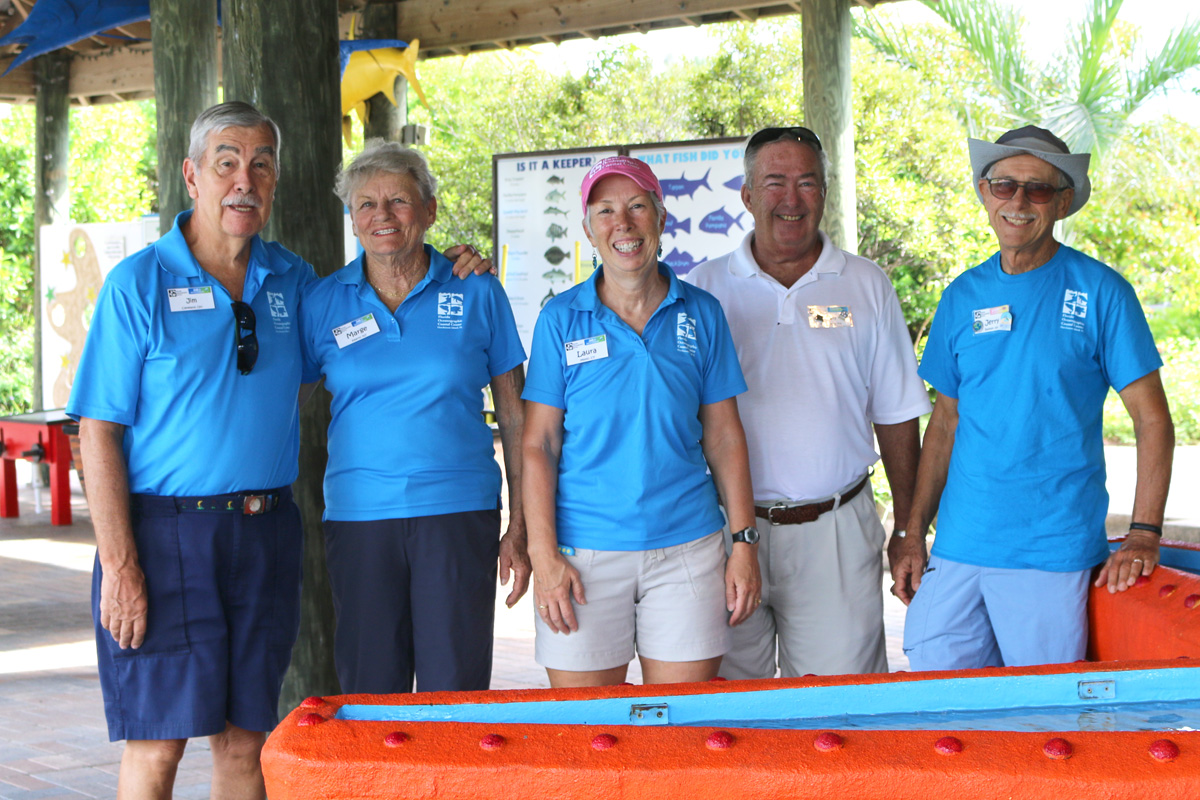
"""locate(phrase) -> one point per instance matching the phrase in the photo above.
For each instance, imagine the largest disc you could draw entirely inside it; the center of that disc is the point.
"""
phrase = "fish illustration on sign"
(554, 210)
(555, 275)
(676, 225)
(549, 296)
(555, 179)
(720, 222)
(681, 263)
(735, 183)
(556, 255)
(556, 231)
(556, 196)
(678, 187)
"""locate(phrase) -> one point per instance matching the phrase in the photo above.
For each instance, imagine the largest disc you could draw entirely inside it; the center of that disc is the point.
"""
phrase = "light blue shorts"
(967, 617)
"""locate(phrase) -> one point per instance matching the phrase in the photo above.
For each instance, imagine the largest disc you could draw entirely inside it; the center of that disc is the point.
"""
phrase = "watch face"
(747, 535)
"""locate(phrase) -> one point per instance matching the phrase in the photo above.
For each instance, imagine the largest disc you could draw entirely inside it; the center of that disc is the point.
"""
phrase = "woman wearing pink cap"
(631, 435)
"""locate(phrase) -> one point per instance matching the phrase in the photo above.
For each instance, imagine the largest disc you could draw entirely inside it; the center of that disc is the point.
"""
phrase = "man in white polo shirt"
(827, 356)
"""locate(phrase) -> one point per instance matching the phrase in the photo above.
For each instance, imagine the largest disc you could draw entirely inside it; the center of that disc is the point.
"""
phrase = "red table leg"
(8, 490)
(60, 477)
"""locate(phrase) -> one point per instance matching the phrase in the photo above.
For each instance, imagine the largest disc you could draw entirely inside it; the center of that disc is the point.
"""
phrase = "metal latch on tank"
(1097, 690)
(648, 714)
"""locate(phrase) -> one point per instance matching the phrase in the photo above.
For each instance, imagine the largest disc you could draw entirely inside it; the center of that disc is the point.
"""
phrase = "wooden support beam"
(125, 70)
(283, 58)
(384, 120)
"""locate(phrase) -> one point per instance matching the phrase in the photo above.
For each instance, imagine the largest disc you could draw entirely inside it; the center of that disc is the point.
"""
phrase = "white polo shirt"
(823, 359)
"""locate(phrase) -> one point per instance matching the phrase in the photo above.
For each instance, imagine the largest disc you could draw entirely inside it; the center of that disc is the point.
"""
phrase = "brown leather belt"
(780, 514)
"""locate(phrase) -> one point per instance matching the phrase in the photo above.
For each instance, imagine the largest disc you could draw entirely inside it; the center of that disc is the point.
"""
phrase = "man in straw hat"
(1022, 351)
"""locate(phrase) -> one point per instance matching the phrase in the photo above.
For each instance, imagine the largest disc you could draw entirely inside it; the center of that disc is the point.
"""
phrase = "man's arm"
(900, 451)
(931, 480)
(510, 417)
(123, 606)
(1146, 403)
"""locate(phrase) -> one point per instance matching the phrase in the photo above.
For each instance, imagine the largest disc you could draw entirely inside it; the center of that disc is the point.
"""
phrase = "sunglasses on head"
(245, 339)
(768, 135)
(1037, 192)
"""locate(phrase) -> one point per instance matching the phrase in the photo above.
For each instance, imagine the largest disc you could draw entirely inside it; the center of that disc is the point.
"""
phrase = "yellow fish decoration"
(369, 72)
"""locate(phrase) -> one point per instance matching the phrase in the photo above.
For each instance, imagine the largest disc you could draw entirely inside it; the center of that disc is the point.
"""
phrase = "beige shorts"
(666, 604)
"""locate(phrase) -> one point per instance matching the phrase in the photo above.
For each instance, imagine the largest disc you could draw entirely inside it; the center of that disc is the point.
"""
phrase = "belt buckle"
(254, 504)
(770, 515)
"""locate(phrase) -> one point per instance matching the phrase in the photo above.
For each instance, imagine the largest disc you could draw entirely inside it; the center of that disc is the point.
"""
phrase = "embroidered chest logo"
(279, 312)
(685, 334)
(1074, 310)
(450, 310)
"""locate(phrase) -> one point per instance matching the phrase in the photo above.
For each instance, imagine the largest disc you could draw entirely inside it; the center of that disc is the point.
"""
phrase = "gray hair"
(751, 157)
(660, 211)
(383, 156)
(1064, 180)
(233, 114)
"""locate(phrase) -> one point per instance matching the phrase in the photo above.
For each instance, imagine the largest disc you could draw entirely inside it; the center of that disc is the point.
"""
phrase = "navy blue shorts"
(224, 611)
(414, 598)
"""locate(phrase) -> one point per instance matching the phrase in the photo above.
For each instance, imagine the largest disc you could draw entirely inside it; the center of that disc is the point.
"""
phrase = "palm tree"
(1086, 95)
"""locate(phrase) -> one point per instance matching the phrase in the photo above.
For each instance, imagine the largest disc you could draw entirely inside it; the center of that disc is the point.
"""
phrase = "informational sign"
(537, 225)
(538, 233)
(75, 260)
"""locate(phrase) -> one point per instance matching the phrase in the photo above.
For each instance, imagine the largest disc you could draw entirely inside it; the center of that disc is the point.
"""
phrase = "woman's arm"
(724, 443)
(555, 581)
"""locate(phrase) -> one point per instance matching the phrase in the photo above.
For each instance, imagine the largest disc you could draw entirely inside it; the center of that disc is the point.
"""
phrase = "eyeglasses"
(768, 135)
(1006, 189)
(245, 338)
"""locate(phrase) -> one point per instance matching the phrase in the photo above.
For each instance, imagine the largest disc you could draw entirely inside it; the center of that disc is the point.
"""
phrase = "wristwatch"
(747, 535)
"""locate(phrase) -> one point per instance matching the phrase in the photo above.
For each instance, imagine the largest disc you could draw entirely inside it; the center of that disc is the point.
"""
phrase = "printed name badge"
(191, 298)
(355, 330)
(990, 320)
(830, 317)
(581, 351)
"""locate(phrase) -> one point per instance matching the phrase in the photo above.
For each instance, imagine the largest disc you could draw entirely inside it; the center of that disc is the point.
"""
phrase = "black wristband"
(1142, 526)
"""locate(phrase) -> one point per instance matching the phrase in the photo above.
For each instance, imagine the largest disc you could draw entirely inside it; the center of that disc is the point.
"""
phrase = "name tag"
(584, 350)
(191, 298)
(355, 330)
(830, 317)
(990, 320)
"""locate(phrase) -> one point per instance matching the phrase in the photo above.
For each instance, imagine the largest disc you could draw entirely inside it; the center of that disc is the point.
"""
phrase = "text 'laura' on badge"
(992, 320)
(581, 351)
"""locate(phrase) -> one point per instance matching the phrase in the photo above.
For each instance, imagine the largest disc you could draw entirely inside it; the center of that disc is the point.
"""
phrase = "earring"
(595, 265)
(660, 251)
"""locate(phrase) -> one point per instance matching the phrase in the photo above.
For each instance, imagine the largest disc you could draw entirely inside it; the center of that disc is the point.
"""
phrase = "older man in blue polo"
(1022, 352)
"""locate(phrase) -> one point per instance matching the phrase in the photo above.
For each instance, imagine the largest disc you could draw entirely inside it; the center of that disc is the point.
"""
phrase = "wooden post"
(384, 120)
(51, 199)
(825, 27)
(184, 35)
(283, 58)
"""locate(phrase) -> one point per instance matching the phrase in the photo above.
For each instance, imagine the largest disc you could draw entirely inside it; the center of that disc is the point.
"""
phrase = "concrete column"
(826, 27)
(51, 199)
(184, 35)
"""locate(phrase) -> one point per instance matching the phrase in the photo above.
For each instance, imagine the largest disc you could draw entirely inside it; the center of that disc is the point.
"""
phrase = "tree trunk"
(384, 120)
(826, 27)
(184, 35)
(283, 58)
(51, 197)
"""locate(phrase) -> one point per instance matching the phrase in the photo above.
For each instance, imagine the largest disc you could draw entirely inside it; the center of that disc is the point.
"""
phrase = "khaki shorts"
(666, 604)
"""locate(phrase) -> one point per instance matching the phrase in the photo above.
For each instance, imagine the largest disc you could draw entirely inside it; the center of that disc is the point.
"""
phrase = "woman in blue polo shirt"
(632, 400)
(412, 488)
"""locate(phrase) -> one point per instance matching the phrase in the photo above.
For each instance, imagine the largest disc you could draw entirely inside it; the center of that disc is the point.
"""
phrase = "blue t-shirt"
(194, 424)
(1025, 488)
(408, 437)
(632, 475)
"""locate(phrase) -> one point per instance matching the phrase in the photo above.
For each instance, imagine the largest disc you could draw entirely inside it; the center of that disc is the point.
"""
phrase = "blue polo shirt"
(408, 437)
(194, 424)
(632, 475)
(1030, 358)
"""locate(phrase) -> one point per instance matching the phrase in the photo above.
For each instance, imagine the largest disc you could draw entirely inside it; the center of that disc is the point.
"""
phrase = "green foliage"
(16, 259)
(1181, 381)
(114, 163)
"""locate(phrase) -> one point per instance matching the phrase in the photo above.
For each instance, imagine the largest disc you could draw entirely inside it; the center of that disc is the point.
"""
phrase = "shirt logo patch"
(1074, 311)
(685, 334)
(279, 312)
(450, 310)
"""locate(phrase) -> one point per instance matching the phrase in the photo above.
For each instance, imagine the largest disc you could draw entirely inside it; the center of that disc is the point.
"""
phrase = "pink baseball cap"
(637, 171)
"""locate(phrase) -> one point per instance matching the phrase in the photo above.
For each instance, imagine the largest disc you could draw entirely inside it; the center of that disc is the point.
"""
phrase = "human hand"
(123, 606)
(554, 586)
(468, 261)
(743, 583)
(514, 556)
(1137, 556)
(906, 560)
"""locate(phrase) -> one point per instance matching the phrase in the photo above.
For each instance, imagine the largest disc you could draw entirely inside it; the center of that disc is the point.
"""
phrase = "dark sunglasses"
(1006, 189)
(768, 135)
(244, 336)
